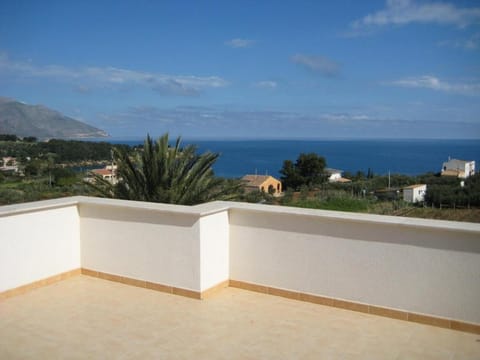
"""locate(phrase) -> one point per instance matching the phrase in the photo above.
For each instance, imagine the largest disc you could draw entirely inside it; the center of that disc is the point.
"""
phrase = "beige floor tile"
(85, 317)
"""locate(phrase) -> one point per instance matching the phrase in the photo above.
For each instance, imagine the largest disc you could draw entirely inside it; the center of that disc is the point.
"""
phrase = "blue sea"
(409, 157)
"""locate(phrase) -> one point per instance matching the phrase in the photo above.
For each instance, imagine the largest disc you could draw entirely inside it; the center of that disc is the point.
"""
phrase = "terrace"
(94, 278)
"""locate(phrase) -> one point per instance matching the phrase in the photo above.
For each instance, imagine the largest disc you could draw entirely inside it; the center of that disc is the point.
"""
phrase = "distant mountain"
(39, 121)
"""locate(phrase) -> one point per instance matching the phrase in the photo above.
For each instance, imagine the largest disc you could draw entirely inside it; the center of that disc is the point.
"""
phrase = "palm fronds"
(169, 174)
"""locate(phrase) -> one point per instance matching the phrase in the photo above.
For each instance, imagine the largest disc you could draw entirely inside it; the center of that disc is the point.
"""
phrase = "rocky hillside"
(39, 121)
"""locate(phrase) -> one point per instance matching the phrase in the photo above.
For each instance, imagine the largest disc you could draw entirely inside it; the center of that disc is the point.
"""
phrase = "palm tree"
(167, 174)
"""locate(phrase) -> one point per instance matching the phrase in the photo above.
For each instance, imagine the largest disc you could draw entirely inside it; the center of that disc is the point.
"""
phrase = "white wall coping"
(359, 217)
(23, 208)
(198, 210)
(220, 206)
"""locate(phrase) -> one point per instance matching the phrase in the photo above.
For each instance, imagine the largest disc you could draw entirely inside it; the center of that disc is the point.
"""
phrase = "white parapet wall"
(214, 248)
(179, 246)
(37, 241)
(150, 242)
(415, 265)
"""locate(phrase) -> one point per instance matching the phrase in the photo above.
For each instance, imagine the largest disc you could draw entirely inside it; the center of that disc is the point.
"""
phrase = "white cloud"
(345, 117)
(91, 77)
(472, 43)
(403, 12)
(208, 118)
(82, 89)
(239, 43)
(434, 83)
(317, 63)
(336, 121)
(266, 84)
(222, 122)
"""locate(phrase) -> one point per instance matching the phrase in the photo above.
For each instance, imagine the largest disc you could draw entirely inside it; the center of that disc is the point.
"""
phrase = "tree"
(308, 170)
(290, 177)
(448, 191)
(64, 176)
(311, 168)
(8, 137)
(360, 175)
(167, 174)
(50, 166)
(370, 174)
(33, 167)
(472, 189)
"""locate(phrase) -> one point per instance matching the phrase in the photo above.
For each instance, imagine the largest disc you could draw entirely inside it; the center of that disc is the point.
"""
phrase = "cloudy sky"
(249, 69)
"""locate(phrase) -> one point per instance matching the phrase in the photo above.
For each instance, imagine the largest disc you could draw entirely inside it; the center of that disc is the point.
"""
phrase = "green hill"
(39, 121)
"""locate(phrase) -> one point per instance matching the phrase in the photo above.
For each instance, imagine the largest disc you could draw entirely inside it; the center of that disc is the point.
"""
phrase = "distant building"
(335, 175)
(264, 183)
(414, 193)
(9, 164)
(108, 173)
(458, 168)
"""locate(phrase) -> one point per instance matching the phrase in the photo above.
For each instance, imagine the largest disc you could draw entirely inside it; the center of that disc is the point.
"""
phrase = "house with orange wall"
(264, 183)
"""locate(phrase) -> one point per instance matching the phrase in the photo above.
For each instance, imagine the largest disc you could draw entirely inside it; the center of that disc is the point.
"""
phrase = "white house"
(335, 175)
(414, 193)
(9, 164)
(459, 168)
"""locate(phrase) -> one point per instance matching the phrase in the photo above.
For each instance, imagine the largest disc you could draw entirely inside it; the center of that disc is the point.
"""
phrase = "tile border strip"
(268, 290)
(156, 286)
(360, 307)
(214, 289)
(39, 283)
(142, 283)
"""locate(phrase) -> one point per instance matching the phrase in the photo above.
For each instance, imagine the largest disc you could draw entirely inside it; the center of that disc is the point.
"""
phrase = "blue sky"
(249, 69)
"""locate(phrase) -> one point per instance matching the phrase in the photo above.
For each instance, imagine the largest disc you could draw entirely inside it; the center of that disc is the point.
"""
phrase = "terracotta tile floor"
(89, 318)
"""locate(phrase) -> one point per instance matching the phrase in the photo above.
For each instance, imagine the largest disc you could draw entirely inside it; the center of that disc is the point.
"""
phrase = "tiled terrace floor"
(89, 318)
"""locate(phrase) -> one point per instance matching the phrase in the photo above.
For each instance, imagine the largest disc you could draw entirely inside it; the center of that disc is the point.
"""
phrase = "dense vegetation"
(59, 150)
(448, 192)
(8, 137)
(308, 170)
(45, 168)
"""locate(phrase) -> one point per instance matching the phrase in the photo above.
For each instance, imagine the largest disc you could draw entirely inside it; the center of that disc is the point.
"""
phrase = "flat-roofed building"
(414, 193)
(458, 168)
